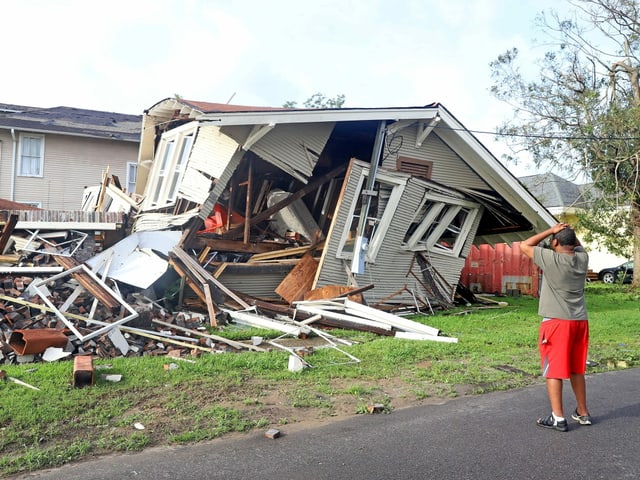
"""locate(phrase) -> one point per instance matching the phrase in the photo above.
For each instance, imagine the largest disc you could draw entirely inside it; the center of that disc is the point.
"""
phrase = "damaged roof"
(524, 212)
(71, 121)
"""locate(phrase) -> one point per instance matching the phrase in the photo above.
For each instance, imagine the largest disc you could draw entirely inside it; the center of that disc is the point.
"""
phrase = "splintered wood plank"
(335, 291)
(310, 187)
(299, 280)
(287, 252)
(7, 230)
(87, 281)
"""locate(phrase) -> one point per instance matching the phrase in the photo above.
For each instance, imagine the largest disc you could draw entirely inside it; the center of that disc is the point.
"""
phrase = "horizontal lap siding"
(260, 286)
(70, 165)
(285, 146)
(211, 151)
(331, 270)
(390, 271)
(448, 168)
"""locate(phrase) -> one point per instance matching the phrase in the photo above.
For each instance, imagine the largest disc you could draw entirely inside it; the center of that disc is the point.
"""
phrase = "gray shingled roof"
(71, 121)
(554, 191)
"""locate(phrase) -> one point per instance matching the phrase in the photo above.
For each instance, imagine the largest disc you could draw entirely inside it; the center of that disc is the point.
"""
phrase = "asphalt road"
(486, 437)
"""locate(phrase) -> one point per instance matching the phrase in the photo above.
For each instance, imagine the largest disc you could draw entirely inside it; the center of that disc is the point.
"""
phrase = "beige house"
(49, 155)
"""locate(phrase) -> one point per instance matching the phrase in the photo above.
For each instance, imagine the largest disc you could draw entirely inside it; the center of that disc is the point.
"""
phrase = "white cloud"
(127, 55)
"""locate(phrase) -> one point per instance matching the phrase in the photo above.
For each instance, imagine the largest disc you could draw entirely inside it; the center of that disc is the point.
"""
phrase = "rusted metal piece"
(37, 340)
(83, 371)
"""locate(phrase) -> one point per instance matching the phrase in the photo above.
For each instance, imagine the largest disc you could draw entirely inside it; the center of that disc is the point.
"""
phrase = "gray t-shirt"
(562, 292)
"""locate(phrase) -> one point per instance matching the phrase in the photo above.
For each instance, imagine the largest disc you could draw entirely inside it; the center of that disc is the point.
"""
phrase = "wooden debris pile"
(110, 301)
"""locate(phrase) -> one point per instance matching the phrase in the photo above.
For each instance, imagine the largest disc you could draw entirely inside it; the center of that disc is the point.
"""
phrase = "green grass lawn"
(237, 392)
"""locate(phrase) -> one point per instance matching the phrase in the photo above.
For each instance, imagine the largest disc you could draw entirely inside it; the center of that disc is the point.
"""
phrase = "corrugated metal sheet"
(500, 269)
(448, 168)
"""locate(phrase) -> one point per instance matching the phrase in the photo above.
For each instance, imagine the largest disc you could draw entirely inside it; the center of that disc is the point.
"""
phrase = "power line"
(522, 135)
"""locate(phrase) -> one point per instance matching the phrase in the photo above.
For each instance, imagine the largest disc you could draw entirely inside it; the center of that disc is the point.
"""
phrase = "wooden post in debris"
(7, 231)
(247, 208)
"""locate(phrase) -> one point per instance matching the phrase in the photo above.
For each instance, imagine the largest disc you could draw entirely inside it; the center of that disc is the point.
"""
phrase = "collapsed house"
(389, 197)
(337, 217)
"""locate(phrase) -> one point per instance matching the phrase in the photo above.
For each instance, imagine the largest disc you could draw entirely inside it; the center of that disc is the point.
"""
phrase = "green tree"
(318, 100)
(581, 111)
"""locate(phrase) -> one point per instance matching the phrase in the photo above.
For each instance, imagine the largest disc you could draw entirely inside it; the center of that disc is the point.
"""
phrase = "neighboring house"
(392, 198)
(49, 155)
(564, 199)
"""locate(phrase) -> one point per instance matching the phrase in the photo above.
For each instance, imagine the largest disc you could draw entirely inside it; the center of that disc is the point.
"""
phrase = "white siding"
(212, 151)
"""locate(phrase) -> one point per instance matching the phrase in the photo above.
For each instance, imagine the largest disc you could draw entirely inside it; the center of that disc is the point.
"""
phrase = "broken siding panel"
(389, 272)
(331, 270)
(448, 168)
(294, 148)
(472, 234)
(194, 186)
(447, 266)
(242, 278)
(219, 187)
(212, 151)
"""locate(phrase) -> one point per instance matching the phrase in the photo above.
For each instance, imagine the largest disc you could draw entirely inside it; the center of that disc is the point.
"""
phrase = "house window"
(183, 155)
(132, 175)
(31, 155)
(442, 225)
(170, 163)
(384, 198)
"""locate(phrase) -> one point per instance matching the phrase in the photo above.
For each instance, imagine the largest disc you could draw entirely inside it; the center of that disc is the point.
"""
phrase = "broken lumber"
(217, 338)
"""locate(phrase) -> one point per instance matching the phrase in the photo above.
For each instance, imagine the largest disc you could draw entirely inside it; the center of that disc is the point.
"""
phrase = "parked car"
(622, 273)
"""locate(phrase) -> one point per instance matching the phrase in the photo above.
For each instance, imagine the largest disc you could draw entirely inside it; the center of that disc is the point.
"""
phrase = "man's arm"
(526, 246)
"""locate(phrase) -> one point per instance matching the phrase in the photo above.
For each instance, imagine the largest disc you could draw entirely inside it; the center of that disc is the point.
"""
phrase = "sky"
(125, 56)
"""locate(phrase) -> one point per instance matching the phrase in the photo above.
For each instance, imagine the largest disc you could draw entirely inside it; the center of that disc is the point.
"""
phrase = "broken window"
(31, 155)
(441, 225)
(383, 200)
(169, 166)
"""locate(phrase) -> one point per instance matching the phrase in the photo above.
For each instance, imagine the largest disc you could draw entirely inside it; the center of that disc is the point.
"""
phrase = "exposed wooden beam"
(310, 187)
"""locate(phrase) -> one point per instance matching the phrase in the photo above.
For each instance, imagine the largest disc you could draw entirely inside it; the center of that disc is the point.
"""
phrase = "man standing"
(564, 331)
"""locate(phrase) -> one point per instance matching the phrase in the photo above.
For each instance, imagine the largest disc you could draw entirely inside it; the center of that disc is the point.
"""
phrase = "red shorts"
(563, 347)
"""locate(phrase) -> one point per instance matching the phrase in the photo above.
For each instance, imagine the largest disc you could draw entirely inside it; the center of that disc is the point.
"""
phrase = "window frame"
(132, 171)
(375, 243)
(445, 209)
(40, 161)
(169, 165)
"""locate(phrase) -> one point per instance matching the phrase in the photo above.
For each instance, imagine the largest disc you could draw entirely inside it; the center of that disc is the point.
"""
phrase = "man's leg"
(579, 386)
(554, 390)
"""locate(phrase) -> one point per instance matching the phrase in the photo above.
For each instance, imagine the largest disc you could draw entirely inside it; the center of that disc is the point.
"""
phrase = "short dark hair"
(566, 236)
